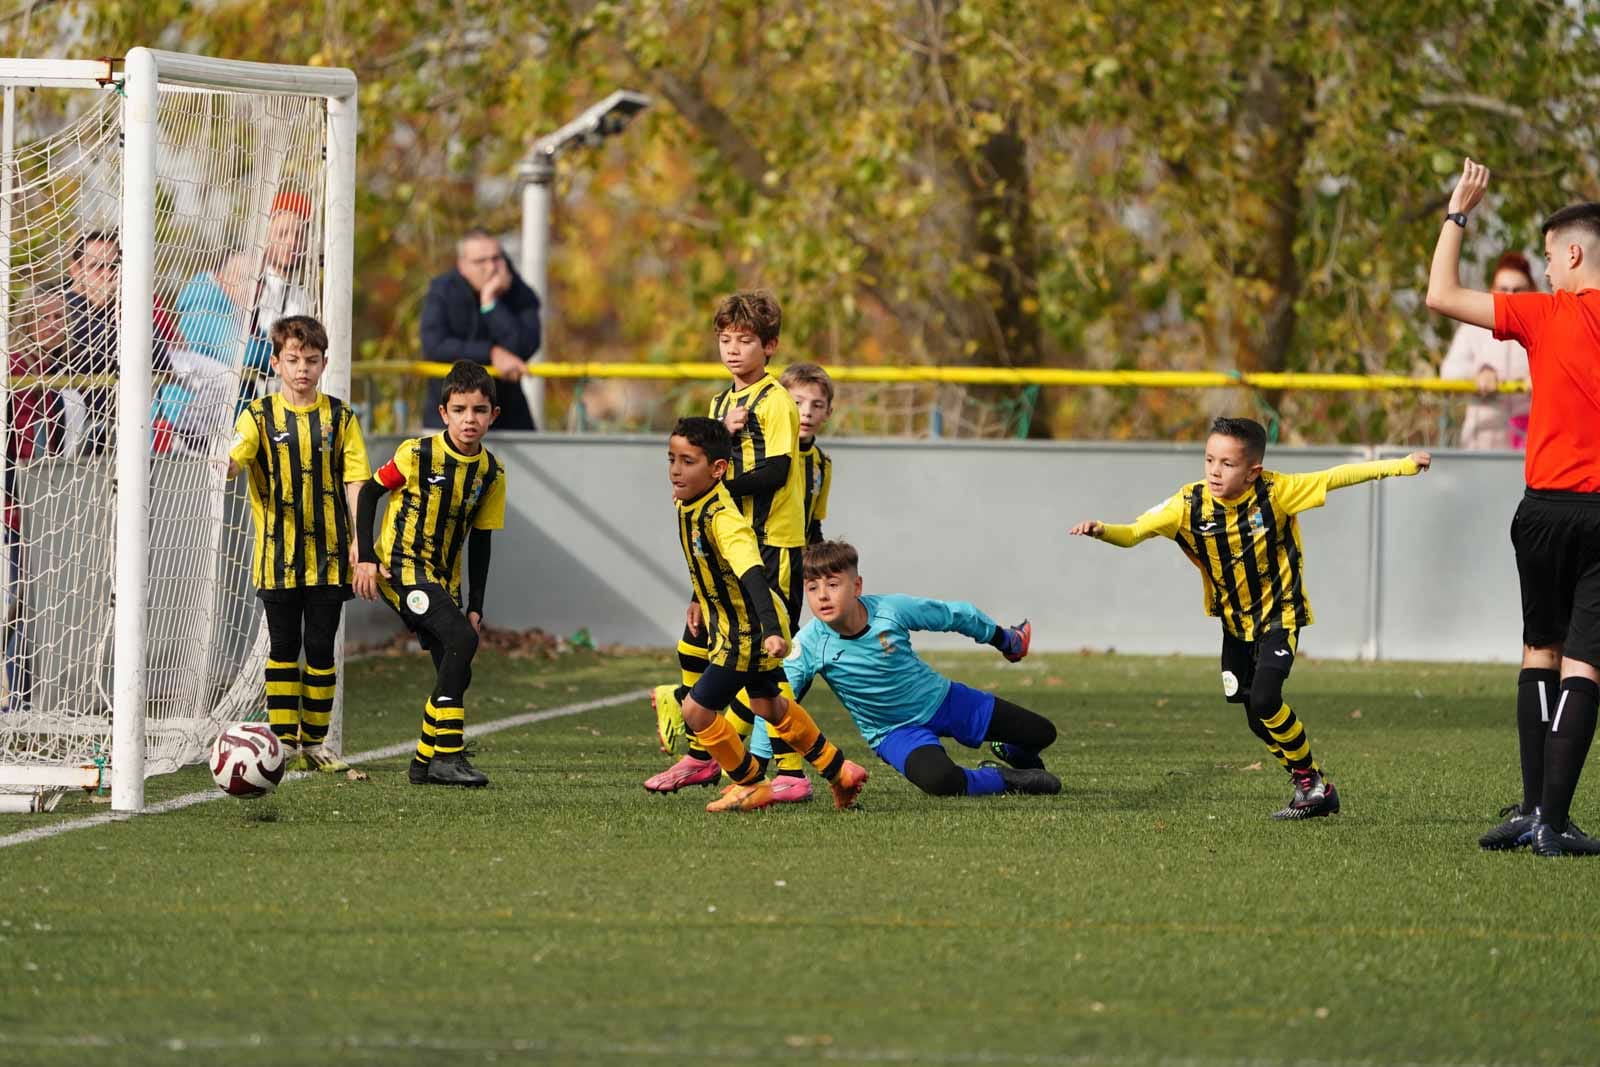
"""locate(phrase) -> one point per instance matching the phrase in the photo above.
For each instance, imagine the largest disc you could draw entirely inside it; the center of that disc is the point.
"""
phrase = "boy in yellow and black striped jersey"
(766, 481)
(306, 461)
(447, 492)
(744, 625)
(812, 392)
(1238, 527)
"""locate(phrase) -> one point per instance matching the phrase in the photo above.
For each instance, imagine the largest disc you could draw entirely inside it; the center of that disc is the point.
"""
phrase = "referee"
(1556, 530)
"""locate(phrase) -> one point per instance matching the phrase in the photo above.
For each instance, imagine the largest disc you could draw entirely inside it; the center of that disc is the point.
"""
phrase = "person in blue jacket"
(483, 312)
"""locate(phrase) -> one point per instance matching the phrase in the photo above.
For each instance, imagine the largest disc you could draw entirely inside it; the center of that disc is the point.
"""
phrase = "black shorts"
(1273, 650)
(427, 609)
(786, 575)
(719, 685)
(1557, 539)
(306, 594)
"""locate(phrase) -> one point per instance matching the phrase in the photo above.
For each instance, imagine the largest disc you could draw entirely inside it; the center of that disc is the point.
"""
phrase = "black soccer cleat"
(1548, 841)
(1314, 797)
(1515, 832)
(1033, 781)
(417, 772)
(1017, 756)
(453, 769)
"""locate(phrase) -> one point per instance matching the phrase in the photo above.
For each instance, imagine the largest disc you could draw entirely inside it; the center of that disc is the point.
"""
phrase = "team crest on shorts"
(1230, 683)
(417, 601)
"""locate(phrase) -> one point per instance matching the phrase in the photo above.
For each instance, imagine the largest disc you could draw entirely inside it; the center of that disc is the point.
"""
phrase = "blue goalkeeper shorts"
(965, 715)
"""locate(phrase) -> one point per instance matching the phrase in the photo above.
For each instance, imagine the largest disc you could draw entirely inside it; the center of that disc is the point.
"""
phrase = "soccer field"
(1151, 913)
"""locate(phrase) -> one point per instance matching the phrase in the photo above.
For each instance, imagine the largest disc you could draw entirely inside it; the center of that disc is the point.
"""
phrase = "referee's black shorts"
(1557, 539)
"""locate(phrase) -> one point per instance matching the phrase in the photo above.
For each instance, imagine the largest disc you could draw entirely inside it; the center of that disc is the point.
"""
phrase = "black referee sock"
(1566, 746)
(1538, 689)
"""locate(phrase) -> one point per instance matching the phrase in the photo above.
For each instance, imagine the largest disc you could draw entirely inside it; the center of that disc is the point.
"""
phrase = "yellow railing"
(1054, 377)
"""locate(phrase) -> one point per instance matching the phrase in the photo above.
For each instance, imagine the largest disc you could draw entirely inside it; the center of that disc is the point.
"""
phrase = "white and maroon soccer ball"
(247, 760)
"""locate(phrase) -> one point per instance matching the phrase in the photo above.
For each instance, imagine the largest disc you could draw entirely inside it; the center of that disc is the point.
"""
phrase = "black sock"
(1015, 725)
(1566, 746)
(1538, 689)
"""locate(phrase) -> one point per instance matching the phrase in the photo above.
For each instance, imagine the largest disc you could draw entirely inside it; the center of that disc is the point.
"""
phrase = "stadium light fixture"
(538, 174)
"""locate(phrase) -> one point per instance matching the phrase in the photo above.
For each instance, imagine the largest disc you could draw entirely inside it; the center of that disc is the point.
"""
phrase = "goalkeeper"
(861, 646)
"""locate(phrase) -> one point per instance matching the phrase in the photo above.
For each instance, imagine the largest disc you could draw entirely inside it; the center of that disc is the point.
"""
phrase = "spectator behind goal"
(482, 312)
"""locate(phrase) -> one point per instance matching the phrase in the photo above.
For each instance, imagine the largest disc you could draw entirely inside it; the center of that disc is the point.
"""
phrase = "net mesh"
(238, 203)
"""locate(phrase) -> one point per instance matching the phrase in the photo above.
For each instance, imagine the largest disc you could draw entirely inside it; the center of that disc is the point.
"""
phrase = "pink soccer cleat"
(686, 772)
(790, 789)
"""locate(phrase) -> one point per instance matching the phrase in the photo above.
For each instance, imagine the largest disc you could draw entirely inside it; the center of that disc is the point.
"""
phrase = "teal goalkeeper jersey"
(876, 675)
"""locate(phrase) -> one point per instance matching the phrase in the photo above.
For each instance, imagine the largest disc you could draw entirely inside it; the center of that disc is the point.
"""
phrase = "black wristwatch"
(1457, 217)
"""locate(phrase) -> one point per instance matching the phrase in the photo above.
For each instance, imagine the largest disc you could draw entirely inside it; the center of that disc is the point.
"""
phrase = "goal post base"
(22, 775)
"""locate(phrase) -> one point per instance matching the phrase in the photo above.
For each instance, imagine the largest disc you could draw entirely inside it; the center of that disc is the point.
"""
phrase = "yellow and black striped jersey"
(818, 470)
(778, 517)
(719, 545)
(1248, 550)
(298, 460)
(436, 495)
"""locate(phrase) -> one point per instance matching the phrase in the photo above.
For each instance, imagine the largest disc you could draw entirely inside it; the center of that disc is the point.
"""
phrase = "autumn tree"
(1250, 184)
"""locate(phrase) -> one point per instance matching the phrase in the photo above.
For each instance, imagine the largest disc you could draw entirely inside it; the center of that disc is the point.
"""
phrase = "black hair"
(1251, 432)
(468, 377)
(94, 237)
(1585, 217)
(708, 435)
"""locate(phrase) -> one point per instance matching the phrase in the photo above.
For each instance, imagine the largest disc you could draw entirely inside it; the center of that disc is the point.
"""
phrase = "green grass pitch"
(1151, 913)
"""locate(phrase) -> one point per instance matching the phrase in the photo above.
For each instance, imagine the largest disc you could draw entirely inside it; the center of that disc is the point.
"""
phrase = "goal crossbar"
(181, 68)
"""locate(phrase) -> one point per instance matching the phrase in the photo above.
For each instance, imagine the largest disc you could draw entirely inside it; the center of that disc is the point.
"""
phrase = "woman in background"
(1494, 420)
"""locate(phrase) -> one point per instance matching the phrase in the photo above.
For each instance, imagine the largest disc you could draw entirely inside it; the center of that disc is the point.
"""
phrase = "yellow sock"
(449, 728)
(283, 701)
(723, 743)
(430, 733)
(317, 689)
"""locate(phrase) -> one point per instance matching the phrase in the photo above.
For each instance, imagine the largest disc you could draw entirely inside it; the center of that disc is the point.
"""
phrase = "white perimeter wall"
(1409, 568)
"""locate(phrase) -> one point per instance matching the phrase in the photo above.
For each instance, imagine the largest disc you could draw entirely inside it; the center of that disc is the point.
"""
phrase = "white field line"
(39, 833)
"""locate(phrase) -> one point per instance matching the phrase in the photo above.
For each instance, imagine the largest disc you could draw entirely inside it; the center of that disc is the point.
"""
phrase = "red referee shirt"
(1561, 332)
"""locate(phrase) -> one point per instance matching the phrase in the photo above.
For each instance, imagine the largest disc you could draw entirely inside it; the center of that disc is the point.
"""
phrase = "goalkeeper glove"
(1013, 641)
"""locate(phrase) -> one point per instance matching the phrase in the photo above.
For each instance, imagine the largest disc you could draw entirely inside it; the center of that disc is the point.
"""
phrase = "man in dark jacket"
(482, 311)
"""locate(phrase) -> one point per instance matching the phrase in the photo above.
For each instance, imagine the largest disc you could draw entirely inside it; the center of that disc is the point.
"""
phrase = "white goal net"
(129, 355)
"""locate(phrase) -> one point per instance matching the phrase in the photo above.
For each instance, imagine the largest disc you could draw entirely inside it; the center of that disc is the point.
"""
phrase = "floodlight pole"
(538, 174)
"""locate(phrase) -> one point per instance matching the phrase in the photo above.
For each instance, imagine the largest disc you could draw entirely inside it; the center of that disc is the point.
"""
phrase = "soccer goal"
(157, 214)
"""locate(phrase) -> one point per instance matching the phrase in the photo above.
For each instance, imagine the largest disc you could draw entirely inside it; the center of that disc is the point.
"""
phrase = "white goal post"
(186, 166)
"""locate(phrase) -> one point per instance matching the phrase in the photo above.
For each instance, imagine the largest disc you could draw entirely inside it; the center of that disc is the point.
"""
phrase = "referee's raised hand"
(1470, 189)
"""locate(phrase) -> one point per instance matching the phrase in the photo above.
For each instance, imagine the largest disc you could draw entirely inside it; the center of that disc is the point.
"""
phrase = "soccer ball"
(246, 760)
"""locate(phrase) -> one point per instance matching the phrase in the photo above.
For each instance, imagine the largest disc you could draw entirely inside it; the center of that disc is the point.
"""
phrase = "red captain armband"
(389, 476)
